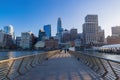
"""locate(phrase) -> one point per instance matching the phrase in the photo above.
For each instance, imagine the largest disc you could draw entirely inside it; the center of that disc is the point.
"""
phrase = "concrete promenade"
(61, 66)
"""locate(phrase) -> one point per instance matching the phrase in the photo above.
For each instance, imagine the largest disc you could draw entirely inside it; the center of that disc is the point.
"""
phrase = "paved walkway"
(60, 67)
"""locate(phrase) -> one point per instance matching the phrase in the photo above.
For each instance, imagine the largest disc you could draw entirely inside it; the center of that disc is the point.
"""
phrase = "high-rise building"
(92, 32)
(59, 26)
(9, 30)
(26, 40)
(116, 31)
(8, 41)
(5, 40)
(47, 29)
(2, 36)
(41, 35)
(73, 34)
(91, 18)
(59, 29)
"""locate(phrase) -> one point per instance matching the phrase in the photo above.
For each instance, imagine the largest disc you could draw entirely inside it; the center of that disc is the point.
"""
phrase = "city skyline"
(26, 15)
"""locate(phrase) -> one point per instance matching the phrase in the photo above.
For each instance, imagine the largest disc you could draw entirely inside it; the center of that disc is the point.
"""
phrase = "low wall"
(12, 68)
(105, 68)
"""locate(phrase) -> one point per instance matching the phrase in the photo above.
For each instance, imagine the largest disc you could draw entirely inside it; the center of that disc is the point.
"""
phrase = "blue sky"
(32, 15)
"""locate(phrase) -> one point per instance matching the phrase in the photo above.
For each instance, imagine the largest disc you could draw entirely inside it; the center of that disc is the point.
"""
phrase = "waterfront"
(110, 56)
(13, 54)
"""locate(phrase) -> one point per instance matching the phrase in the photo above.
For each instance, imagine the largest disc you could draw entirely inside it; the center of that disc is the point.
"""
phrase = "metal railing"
(12, 68)
(105, 68)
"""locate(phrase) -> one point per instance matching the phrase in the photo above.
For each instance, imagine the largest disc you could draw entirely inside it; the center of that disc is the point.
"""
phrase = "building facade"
(2, 36)
(47, 29)
(6, 41)
(41, 35)
(92, 33)
(91, 19)
(26, 40)
(116, 31)
(51, 44)
(9, 30)
(18, 40)
(65, 36)
(113, 40)
(73, 34)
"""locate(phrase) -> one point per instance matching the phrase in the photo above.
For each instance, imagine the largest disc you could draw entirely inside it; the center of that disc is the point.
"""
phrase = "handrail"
(12, 68)
(105, 68)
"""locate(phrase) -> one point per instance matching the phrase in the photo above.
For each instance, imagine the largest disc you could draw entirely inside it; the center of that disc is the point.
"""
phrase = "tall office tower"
(59, 29)
(5, 40)
(116, 31)
(59, 26)
(9, 30)
(47, 29)
(91, 18)
(91, 31)
(41, 35)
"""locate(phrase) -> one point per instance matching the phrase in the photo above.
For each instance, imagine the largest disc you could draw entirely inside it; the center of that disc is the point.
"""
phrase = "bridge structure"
(56, 65)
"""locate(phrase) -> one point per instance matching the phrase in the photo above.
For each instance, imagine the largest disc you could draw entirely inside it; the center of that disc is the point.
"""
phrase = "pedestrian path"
(61, 66)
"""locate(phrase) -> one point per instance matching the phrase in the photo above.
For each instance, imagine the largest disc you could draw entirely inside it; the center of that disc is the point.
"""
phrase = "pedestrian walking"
(65, 50)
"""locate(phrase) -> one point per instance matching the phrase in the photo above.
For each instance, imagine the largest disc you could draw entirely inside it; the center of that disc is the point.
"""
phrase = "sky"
(32, 15)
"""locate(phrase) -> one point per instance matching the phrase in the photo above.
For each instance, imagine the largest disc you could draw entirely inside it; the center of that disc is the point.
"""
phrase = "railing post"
(103, 68)
(26, 65)
(94, 63)
(117, 77)
(18, 70)
(85, 60)
(32, 62)
(91, 62)
(97, 64)
(39, 60)
(10, 69)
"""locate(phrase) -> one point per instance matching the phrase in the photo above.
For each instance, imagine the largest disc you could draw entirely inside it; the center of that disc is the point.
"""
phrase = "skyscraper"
(41, 35)
(9, 30)
(47, 29)
(59, 29)
(92, 33)
(91, 18)
(59, 26)
(2, 36)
